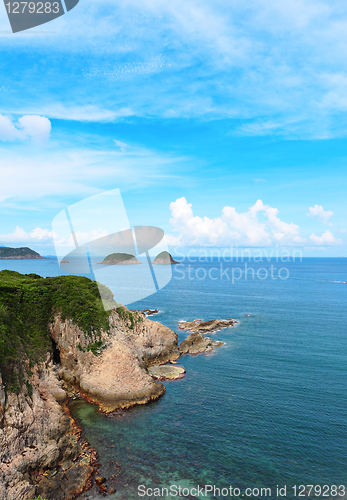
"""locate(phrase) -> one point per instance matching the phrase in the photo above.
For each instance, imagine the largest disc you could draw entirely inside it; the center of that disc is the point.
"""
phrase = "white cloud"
(28, 126)
(19, 235)
(318, 211)
(121, 145)
(85, 113)
(259, 226)
(327, 239)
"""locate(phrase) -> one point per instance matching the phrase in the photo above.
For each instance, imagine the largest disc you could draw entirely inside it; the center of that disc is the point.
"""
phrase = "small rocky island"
(24, 253)
(120, 259)
(164, 258)
(201, 326)
(150, 312)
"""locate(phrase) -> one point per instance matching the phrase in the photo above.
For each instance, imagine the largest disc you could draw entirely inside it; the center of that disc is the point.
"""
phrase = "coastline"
(114, 365)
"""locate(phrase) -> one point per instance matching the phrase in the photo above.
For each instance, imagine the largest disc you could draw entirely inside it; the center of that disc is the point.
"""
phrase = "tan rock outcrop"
(117, 377)
(201, 326)
(197, 343)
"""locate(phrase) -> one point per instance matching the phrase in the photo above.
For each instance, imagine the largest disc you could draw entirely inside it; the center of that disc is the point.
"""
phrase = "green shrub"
(28, 304)
(127, 316)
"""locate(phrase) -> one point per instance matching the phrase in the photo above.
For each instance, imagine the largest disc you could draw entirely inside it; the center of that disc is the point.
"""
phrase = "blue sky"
(194, 109)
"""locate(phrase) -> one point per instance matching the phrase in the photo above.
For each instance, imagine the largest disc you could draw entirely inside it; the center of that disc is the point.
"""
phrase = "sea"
(265, 416)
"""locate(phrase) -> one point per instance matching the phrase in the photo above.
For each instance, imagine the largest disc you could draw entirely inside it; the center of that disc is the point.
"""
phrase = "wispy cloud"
(80, 171)
(277, 67)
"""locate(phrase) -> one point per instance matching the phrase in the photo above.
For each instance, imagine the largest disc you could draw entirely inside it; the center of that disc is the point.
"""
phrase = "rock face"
(19, 253)
(201, 326)
(196, 343)
(117, 377)
(120, 259)
(41, 451)
(164, 258)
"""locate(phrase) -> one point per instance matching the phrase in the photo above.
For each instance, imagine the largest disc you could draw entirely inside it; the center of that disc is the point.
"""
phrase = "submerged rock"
(202, 326)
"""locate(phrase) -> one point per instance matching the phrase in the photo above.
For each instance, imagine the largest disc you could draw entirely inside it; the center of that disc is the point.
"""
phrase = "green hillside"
(27, 305)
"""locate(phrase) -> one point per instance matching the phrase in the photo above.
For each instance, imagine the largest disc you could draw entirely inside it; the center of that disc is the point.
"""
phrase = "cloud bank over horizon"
(260, 226)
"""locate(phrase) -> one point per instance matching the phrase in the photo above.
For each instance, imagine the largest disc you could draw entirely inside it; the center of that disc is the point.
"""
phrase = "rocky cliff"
(41, 449)
(116, 377)
(57, 340)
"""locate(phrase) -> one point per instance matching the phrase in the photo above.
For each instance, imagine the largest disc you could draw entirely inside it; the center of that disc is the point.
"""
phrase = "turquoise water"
(267, 409)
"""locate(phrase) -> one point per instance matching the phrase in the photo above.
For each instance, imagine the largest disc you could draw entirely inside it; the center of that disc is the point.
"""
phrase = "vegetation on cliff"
(28, 303)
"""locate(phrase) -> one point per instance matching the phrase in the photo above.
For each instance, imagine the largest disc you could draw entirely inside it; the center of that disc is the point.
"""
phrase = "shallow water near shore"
(267, 409)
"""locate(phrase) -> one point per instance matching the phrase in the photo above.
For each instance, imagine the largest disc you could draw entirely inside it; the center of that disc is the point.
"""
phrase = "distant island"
(164, 258)
(18, 253)
(120, 258)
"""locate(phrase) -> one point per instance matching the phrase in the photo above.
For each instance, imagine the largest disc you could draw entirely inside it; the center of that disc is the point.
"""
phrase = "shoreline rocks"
(117, 376)
(150, 312)
(196, 343)
(42, 451)
(166, 372)
(201, 326)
